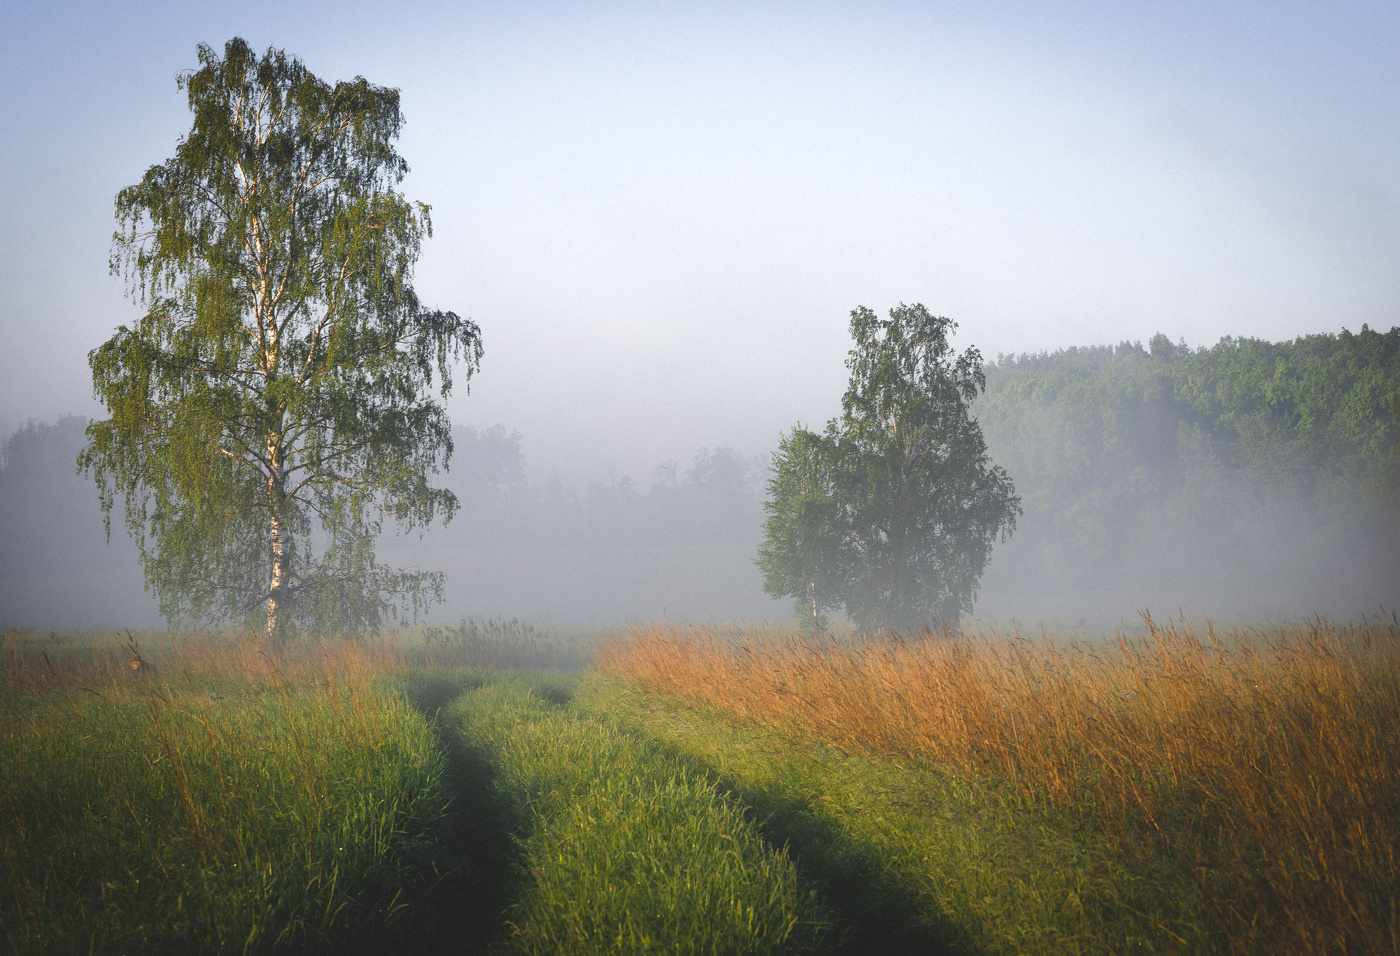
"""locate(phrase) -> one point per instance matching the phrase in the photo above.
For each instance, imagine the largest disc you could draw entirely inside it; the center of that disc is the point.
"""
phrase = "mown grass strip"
(624, 851)
(198, 815)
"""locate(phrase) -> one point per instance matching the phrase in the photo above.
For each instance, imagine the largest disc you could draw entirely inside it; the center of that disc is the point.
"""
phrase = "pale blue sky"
(662, 214)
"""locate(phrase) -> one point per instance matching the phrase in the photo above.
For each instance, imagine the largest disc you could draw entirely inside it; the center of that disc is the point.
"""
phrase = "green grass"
(224, 815)
(232, 814)
(357, 804)
(621, 849)
(913, 860)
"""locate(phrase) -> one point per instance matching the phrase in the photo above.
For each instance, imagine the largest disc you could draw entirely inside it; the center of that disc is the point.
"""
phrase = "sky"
(661, 215)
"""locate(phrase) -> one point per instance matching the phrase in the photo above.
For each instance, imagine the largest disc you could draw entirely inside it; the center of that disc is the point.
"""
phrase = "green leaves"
(802, 554)
(278, 380)
(892, 512)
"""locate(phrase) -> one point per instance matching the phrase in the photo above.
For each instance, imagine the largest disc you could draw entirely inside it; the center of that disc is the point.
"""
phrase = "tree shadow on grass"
(467, 878)
(875, 913)
(463, 880)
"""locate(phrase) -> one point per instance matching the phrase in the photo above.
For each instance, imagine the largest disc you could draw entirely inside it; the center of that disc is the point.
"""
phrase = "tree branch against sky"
(273, 406)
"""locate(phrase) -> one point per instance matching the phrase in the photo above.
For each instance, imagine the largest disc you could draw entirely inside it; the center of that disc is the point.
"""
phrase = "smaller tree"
(892, 512)
(801, 554)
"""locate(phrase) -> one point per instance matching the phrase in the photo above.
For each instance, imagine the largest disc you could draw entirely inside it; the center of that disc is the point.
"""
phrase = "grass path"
(463, 881)
(619, 848)
(594, 818)
(540, 812)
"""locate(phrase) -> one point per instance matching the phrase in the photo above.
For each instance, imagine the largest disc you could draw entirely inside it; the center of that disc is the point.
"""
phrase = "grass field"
(222, 803)
(1225, 791)
(702, 790)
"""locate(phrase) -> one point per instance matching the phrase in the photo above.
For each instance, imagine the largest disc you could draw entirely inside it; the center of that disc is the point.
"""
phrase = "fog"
(661, 217)
(605, 551)
(1247, 482)
(1152, 480)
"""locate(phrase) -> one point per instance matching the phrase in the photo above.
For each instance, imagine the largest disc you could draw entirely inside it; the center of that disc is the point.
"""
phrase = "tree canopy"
(892, 512)
(273, 406)
(1260, 469)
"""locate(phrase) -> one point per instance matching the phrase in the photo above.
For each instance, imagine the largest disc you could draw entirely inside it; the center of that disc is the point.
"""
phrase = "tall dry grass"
(1263, 760)
(34, 661)
(31, 662)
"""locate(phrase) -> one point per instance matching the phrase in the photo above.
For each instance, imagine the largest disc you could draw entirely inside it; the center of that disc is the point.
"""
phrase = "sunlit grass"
(716, 790)
(912, 860)
(622, 850)
(1254, 771)
(227, 802)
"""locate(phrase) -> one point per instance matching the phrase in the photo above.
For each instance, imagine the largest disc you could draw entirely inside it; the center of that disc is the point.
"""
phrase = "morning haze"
(662, 219)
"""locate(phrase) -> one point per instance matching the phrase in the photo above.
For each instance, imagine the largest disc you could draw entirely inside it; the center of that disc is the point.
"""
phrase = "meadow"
(477, 788)
(1218, 791)
(218, 801)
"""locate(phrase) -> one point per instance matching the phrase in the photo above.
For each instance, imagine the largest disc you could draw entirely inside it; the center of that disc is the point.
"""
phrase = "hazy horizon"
(1157, 481)
(661, 217)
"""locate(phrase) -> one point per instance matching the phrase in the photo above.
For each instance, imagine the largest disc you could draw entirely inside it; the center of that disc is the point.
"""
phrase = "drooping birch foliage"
(274, 405)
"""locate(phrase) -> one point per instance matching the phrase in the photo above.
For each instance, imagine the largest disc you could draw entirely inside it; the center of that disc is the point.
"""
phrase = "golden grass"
(33, 661)
(1264, 760)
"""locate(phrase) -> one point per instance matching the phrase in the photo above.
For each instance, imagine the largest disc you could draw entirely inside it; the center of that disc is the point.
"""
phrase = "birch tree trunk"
(281, 545)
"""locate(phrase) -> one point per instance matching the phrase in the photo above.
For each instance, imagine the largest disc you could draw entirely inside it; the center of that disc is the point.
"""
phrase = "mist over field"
(662, 217)
(1248, 481)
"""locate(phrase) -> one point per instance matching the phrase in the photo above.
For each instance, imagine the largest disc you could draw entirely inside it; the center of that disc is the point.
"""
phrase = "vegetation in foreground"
(218, 800)
(224, 802)
(702, 791)
(1230, 792)
(621, 848)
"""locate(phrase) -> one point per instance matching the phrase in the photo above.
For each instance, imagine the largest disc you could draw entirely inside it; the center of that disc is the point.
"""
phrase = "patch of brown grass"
(34, 661)
(1263, 760)
(31, 661)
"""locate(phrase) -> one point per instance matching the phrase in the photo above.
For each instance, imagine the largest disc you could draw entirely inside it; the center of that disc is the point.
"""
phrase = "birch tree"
(892, 512)
(274, 405)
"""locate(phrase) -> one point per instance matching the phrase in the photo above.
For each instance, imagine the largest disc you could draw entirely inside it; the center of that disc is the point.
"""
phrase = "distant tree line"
(50, 523)
(714, 500)
(597, 551)
(56, 567)
(1249, 465)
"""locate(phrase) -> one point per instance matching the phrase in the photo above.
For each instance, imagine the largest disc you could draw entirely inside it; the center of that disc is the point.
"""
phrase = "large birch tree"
(275, 404)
